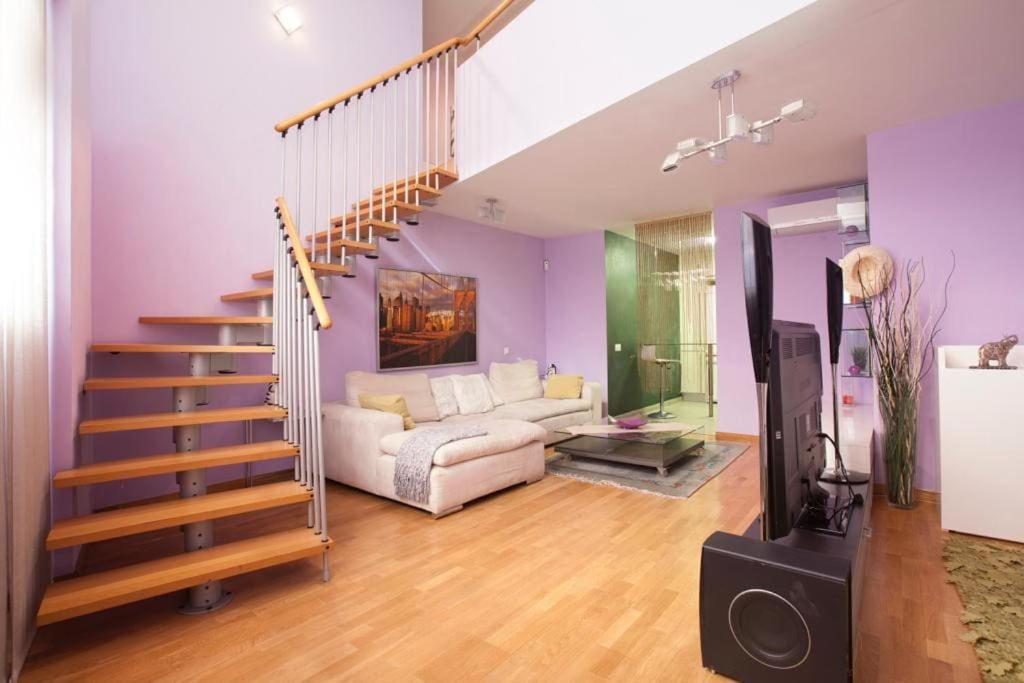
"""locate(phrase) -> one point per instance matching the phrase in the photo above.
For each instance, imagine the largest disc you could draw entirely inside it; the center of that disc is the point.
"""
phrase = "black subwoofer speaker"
(770, 612)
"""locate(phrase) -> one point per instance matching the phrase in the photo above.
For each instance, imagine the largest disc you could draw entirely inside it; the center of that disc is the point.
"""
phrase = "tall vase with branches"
(903, 340)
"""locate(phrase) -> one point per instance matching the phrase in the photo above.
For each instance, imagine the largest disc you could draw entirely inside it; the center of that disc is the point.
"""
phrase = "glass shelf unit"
(855, 354)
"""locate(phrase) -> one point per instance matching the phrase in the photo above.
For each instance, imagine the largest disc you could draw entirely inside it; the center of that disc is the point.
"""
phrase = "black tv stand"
(830, 517)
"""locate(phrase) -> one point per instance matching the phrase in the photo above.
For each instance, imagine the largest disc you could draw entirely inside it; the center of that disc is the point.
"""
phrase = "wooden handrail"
(438, 49)
(323, 317)
(487, 21)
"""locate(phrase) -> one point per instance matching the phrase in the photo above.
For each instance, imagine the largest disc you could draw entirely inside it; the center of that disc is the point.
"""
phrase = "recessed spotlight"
(289, 19)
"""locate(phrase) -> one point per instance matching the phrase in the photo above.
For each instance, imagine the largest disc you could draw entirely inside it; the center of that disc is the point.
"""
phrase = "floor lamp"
(649, 354)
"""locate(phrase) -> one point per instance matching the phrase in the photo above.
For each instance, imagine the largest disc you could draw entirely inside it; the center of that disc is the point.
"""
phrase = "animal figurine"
(996, 351)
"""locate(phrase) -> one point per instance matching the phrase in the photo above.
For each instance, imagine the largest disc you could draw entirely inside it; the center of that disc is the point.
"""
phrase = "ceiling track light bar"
(736, 126)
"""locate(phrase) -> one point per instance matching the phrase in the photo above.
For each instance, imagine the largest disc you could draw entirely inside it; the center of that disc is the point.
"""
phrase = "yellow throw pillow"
(389, 403)
(564, 386)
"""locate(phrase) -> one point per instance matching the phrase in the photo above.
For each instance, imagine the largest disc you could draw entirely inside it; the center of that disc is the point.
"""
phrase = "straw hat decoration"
(867, 271)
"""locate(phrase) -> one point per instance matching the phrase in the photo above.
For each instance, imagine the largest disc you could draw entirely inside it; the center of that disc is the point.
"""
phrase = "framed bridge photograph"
(425, 319)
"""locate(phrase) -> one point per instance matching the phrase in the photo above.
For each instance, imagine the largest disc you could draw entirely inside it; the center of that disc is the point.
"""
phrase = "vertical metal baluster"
(330, 185)
(292, 365)
(359, 201)
(383, 152)
(298, 181)
(418, 107)
(316, 189)
(447, 112)
(308, 324)
(405, 108)
(344, 182)
(428, 145)
(275, 364)
(455, 111)
(318, 443)
(369, 226)
(437, 122)
(300, 403)
(478, 109)
(394, 187)
(383, 184)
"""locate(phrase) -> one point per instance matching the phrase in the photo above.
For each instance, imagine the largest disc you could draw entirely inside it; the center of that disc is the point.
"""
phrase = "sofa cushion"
(444, 396)
(413, 387)
(563, 386)
(388, 403)
(502, 436)
(472, 394)
(540, 408)
(516, 381)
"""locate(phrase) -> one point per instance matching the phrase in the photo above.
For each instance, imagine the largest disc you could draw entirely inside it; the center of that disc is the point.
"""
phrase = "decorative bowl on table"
(631, 422)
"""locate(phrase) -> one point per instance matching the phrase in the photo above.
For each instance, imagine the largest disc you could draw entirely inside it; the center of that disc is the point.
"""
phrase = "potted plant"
(904, 353)
(859, 355)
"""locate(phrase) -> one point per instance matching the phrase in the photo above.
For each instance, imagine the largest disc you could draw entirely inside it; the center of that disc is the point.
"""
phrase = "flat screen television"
(796, 455)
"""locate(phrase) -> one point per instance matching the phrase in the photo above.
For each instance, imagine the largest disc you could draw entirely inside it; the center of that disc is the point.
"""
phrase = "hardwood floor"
(560, 580)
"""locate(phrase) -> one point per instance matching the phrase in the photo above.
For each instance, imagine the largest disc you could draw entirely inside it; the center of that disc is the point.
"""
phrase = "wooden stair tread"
(250, 295)
(327, 269)
(180, 348)
(136, 519)
(352, 247)
(195, 417)
(403, 208)
(445, 177)
(105, 383)
(427, 193)
(132, 468)
(94, 592)
(380, 229)
(205, 320)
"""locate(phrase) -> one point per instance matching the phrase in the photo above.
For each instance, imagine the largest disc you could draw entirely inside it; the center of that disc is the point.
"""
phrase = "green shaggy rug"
(990, 579)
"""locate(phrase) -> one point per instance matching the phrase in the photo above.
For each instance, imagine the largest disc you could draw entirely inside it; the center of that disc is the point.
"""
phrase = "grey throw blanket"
(416, 456)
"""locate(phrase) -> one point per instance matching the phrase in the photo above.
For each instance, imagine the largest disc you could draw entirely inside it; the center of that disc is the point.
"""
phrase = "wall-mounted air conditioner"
(806, 217)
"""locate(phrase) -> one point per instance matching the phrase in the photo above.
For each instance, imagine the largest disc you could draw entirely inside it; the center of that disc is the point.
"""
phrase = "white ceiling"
(869, 65)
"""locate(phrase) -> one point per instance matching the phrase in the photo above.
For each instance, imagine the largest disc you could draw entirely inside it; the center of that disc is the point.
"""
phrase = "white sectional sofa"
(360, 444)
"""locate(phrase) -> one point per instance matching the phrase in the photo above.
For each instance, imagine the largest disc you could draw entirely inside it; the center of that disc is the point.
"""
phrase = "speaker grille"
(769, 629)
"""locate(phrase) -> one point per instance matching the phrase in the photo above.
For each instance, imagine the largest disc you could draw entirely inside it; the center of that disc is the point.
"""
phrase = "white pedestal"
(981, 444)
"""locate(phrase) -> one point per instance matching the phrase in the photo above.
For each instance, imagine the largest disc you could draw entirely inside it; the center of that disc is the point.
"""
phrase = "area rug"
(990, 579)
(684, 477)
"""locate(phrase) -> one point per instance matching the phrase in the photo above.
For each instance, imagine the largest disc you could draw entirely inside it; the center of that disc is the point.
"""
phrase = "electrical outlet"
(506, 350)
(618, 347)
(547, 264)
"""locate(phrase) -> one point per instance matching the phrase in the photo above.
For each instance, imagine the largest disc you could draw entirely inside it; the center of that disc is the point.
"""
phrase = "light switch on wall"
(618, 347)
(506, 350)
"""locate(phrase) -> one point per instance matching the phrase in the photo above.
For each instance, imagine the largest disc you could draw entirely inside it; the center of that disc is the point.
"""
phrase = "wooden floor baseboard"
(922, 496)
(734, 436)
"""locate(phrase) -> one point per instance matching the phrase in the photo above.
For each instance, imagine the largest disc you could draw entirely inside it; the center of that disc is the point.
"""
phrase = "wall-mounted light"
(289, 19)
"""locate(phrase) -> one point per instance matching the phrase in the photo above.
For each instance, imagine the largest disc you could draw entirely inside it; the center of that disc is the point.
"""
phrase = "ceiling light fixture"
(491, 211)
(289, 19)
(736, 127)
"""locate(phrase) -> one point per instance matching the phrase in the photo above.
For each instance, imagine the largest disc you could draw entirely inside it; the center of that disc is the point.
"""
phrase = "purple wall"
(70, 324)
(799, 296)
(186, 164)
(576, 329)
(955, 183)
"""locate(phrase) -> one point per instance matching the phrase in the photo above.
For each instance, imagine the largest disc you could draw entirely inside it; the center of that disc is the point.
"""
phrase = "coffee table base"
(658, 456)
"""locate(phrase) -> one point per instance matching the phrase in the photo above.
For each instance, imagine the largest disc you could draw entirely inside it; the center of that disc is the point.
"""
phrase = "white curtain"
(675, 278)
(24, 277)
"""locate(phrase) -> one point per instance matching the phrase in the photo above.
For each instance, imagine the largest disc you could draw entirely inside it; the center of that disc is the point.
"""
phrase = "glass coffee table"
(657, 449)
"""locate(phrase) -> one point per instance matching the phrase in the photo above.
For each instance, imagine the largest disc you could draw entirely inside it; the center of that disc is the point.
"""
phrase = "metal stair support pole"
(208, 596)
